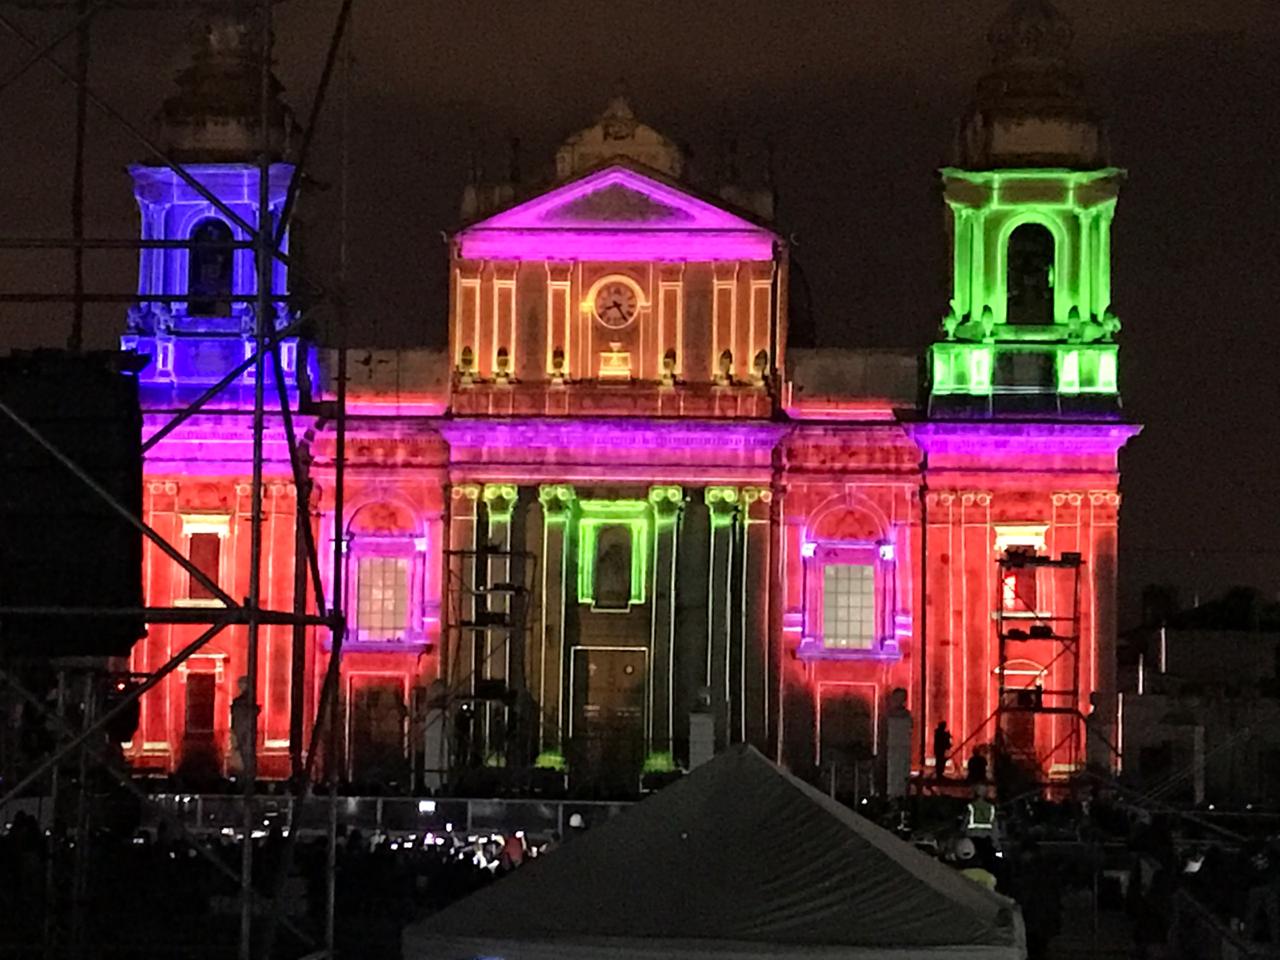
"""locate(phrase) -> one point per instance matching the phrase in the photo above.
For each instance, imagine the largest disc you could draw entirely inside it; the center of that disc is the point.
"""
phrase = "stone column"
(722, 504)
(493, 606)
(668, 505)
(546, 660)
(460, 646)
(756, 562)
(1100, 664)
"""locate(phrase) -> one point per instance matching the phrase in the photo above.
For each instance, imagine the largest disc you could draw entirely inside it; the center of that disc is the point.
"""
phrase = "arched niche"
(383, 518)
(847, 524)
(210, 269)
(1030, 274)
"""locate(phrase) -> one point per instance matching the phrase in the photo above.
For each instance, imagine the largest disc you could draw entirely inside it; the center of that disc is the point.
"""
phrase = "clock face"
(617, 304)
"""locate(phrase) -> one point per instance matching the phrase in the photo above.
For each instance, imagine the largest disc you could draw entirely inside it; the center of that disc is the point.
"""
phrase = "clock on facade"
(617, 302)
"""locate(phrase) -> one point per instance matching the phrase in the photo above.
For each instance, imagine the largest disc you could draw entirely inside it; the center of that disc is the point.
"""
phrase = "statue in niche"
(613, 568)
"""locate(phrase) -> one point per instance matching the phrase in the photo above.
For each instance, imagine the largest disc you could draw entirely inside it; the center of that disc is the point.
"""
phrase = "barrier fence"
(224, 814)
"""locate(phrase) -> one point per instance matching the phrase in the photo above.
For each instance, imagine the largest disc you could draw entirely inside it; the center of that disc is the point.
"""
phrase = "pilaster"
(460, 660)
(754, 571)
(723, 505)
(668, 507)
(547, 660)
(494, 607)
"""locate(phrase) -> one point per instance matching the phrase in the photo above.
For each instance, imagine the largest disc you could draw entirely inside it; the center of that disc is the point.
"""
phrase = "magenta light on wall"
(984, 438)
(613, 433)
(616, 214)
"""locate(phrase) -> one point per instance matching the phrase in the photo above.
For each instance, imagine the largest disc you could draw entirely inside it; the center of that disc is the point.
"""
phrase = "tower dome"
(618, 135)
(214, 116)
(1030, 109)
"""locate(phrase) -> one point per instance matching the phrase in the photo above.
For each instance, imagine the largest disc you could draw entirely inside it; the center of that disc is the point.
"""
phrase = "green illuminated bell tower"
(1030, 328)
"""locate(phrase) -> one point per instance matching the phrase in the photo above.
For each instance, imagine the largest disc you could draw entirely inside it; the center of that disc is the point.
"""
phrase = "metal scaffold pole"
(263, 261)
(267, 239)
(339, 508)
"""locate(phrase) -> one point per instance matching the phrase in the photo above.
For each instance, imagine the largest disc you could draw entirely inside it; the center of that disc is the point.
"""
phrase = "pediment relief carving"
(616, 203)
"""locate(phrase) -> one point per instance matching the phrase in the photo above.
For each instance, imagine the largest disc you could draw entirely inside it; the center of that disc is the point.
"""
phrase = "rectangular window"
(1018, 589)
(382, 597)
(848, 606)
(201, 694)
(205, 553)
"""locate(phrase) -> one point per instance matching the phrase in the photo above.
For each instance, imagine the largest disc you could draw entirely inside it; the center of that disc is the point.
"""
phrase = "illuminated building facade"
(618, 501)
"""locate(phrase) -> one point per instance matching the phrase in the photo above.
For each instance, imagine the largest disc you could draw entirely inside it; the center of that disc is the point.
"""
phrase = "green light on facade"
(636, 516)
(667, 502)
(662, 762)
(968, 368)
(551, 760)
(1032, 275)
(557, 501)
(500, 499)
(962, 368)
(723, 504)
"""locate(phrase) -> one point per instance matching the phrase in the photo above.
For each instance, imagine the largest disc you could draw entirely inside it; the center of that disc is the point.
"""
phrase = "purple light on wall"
(616, 214)
(189, 350)
(171, 209)
(616, 434)
(987, 438)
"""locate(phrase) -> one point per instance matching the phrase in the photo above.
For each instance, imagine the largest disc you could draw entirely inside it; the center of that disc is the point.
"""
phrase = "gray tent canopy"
(738, 859)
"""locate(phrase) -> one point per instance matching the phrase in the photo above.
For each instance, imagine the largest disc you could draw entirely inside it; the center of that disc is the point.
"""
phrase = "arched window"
(209, 269)
(1029, 275)
(849, 591)
(384, 574)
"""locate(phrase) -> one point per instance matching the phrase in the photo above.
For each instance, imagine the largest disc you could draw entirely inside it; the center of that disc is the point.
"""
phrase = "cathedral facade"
(618, 522)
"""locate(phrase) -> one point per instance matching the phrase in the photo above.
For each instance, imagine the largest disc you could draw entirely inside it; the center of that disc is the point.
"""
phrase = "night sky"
(859, 98)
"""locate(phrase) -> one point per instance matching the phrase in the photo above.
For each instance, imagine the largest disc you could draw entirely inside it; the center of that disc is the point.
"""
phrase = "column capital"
(500, 499)
(667, 502)
(755, 503)
(723, 503)
(466, 491)
(557, 501)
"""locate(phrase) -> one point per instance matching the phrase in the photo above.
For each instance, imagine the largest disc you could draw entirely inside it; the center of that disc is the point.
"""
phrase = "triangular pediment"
(617, 196)
(616, 204)
(658, 217)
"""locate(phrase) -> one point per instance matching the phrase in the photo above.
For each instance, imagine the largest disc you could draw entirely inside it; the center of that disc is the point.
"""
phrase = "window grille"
(848, 606)
(382, 597)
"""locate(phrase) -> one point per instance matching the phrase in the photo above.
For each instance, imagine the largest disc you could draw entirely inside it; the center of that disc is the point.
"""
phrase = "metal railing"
(223, 814)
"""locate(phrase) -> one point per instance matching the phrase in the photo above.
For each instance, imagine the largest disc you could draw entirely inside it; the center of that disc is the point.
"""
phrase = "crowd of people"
(153, 889)
(155, 894)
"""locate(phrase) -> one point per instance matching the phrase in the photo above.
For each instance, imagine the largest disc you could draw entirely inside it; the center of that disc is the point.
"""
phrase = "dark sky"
(859, 97)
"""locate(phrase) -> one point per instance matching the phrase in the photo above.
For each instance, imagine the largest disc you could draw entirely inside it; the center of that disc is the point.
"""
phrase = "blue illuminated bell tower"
(195, 312)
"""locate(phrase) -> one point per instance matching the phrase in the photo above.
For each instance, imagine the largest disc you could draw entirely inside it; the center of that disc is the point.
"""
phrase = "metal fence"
(224, 814)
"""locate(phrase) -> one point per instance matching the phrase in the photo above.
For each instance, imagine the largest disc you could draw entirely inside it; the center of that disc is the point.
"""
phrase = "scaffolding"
(1038, 624)
(86, 741)
(487, 633)
(1047, 683)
